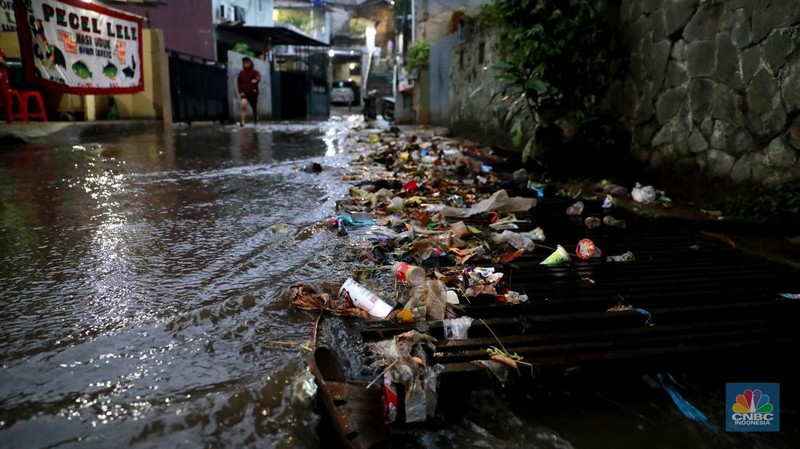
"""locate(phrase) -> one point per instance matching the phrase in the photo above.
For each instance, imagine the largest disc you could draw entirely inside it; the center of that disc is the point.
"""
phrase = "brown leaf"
(511, 255)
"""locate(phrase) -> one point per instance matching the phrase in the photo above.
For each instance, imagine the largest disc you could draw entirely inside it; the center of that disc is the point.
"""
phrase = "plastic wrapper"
(519, 241)
(390, 399)
(627, 256)
(428, 300)
(536, 234)
(457, 328)
(482, 281)
(575, 209)
(460, 230)
(416, 403)
(592, 222)
(643, 194)
(396, 205)
(499, 201)
(614, 223)
(430, 380)
(513, 297)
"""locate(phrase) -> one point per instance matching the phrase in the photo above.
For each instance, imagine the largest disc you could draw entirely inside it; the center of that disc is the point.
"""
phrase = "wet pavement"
(145, 273)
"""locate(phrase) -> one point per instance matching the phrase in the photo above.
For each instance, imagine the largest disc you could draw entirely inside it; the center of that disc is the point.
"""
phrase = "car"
(344, 92)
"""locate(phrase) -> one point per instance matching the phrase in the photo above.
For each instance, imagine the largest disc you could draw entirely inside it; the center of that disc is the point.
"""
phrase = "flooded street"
(143, 276)
(140, 276)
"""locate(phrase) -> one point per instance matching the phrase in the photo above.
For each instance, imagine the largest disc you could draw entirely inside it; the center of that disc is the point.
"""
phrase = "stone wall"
(472, 112)
(713, 87)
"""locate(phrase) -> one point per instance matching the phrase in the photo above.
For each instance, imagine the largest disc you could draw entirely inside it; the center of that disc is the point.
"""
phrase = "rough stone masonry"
(714, 86)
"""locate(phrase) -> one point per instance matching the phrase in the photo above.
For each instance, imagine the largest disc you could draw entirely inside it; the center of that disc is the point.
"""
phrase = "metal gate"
(198, 88)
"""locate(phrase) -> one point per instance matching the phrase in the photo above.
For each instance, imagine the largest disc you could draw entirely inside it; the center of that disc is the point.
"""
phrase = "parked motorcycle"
(387, 108)
(370, 106)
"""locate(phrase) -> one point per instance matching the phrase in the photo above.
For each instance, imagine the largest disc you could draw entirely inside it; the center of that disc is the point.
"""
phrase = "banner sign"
(78, 47)
(7, 20)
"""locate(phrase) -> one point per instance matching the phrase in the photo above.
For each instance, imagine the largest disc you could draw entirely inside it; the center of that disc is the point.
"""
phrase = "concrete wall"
(471, 109)
(154, 101)
(433, 17)
(187, 24)
(713, 87)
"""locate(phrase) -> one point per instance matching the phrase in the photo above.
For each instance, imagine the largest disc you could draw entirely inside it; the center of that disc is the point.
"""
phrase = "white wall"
(264, 87)
(256, 12)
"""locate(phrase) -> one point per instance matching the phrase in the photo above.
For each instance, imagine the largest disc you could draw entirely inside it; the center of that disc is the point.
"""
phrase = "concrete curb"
(63, 132)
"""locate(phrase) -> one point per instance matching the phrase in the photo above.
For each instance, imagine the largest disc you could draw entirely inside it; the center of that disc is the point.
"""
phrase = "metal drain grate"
(687, 299)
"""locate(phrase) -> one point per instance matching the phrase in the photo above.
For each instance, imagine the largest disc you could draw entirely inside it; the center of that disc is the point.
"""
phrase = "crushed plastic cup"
(364, 299)
(452, 298)
(558, 257)
(613, 222)
(627, 256)
(575, 209)
(585, 249)
(406, 272)
(592, 222)
(609, 202)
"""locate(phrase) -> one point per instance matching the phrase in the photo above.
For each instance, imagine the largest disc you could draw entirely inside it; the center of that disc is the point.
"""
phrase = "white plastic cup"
(364, 299)
(412, 274)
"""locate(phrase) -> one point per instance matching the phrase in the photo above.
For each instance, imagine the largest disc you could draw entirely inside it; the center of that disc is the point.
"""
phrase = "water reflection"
(140, 278)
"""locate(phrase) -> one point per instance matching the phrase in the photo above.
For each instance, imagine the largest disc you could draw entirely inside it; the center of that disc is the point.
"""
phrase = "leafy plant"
(358, 26)
(779, 204)
(418, 54)
(244, 49)
(300, 19)
(553, 66)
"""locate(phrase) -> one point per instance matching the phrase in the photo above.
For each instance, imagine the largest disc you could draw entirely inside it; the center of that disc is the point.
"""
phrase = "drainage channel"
(687, 300)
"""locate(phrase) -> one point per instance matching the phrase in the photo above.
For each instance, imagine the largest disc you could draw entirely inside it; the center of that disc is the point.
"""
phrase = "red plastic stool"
(26, 96)
(7, 100)
(23, 98)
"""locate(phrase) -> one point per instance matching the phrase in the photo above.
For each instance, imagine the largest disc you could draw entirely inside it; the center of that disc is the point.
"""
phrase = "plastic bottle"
(364, 299)
(406, 272)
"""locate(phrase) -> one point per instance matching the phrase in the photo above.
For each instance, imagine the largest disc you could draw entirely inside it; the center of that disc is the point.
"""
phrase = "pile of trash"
(433, 223)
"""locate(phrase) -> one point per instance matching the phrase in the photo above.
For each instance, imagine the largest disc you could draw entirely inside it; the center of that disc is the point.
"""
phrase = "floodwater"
(144, 279)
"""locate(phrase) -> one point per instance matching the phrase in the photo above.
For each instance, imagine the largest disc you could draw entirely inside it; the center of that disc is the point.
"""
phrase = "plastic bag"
(575, 209)
(457, 328)
(643, 194)
(517, 240)
(416, 402)
(428, 300)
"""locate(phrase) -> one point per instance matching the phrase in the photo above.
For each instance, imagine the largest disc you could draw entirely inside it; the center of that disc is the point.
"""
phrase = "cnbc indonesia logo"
(752, 409)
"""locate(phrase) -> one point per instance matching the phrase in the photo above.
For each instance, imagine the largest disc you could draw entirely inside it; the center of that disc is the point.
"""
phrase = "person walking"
(247, 87)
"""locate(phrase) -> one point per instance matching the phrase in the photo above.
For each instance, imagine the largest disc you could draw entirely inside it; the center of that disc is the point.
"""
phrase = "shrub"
(554, 65)
(418, 54)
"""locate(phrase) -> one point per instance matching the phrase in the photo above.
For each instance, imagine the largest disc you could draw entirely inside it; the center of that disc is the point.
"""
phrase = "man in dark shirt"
(247, 87)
